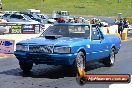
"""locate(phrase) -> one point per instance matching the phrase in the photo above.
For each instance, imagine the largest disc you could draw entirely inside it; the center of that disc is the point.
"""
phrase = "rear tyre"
(110, 60)
(25, 66)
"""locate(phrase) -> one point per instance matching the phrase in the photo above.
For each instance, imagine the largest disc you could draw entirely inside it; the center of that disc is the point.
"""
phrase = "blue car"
(71, 44)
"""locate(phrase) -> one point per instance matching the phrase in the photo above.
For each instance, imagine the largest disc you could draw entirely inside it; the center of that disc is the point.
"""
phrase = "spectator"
(70, 20)
(93, 21)
(125, 23)
(61, 20)
(120, 27)
(116, 22)
(98, 23)
(76, 20)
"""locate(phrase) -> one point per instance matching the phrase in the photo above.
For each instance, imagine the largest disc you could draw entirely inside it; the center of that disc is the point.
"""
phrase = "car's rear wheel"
(110, 60)
(25, 66)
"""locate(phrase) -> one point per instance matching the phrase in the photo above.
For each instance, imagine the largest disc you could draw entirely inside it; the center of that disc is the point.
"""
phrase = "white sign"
(110, 30)
(113, 29)
(6, 46)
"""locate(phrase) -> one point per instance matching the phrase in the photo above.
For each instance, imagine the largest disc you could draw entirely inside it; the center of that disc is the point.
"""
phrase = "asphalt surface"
(44, 76)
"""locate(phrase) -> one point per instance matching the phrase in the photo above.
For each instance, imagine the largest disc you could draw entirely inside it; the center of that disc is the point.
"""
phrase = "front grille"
(41, 48)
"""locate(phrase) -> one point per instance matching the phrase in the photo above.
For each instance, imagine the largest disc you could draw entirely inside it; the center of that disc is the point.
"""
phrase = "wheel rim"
(112, 57)
(80, 63)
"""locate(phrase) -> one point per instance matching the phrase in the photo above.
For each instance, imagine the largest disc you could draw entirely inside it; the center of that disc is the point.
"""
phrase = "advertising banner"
(7, 46)
(15, 28)
(37, 28)
(28, 29)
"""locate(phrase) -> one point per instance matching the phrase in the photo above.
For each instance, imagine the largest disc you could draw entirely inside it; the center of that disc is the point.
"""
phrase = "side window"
(87, 31)
(95, 34)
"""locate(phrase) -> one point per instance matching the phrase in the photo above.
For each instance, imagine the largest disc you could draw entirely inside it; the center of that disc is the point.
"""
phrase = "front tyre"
(80, 63)
(110, 60)
(25, 66)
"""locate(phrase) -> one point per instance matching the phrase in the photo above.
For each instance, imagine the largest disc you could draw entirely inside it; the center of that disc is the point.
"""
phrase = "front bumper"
(50, 59)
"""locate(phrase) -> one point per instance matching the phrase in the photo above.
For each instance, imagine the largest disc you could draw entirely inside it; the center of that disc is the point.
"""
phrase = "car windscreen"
(16, 16)
(73, 31)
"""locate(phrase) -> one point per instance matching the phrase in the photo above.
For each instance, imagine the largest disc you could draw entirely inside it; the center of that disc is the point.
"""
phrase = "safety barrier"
(113, 30)
(110, 30)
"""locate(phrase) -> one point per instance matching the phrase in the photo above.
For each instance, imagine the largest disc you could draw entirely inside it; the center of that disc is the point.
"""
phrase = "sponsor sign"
(104, 78)
(83, 78)
(37, 28)
(16, 29)
(28, 29)
(6, 46)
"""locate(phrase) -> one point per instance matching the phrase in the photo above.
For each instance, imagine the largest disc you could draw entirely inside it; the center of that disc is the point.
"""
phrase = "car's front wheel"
(80, 63)
(110, 60)
(25, 66)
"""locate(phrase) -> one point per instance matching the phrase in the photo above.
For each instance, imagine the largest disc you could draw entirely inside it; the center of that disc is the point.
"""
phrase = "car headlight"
(22, 47)
(62, 49)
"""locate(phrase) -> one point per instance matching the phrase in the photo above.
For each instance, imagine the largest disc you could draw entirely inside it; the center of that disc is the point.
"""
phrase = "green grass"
(78, 7)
